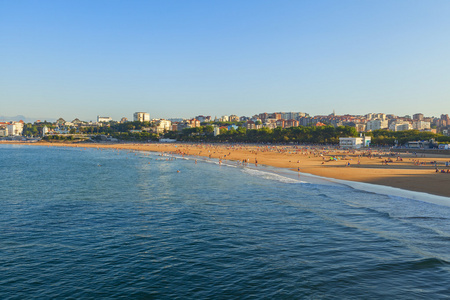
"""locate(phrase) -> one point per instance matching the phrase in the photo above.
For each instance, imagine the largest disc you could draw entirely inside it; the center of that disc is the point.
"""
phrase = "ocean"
(88, 224)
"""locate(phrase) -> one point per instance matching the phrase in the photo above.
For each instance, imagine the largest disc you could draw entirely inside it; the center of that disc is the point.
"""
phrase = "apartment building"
(141, 117)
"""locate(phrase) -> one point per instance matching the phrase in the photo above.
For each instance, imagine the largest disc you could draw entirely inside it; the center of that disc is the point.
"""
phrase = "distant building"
(15, 128)
(193, 123)
(44, 130)
(3, 131)
(250, 124)
(379, 116)
(421, 125)
(263, 117)
(291, 123)
(403, 127)
(418, 144)
(141, 117)
(233, 118)
(167, 140)
(390, 116)
(163, 126)
(360, 127)
(305, 121)
(103, 119)
(270, 125)
(202, 118)
(291, 115)
(418, 117)
(123, 120)
(400, 126)
(369, 116)
(376, 124)
(355, 142)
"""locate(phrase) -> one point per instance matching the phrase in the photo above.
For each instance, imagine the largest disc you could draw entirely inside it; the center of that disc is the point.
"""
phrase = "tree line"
(302, 134)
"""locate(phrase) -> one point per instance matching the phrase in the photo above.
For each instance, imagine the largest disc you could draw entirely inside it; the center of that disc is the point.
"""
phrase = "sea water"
(89, 223)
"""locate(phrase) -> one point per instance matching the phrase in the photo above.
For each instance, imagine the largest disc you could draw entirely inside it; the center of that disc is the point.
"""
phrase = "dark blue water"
(107, 224)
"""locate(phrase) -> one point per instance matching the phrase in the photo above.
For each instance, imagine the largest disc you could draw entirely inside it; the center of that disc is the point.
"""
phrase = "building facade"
(163, 126)
(376, 124)
(3, 131)
(103, 119)
(141, 117)
(355, 142)
(421, 125)
(418, 117)
(15, 128)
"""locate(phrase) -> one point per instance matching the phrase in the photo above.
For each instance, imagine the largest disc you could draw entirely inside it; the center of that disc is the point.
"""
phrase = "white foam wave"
(271, 176)
(390, 191)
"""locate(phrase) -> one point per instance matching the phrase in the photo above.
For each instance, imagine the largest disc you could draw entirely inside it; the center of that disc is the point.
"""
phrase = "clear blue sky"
(182, 58)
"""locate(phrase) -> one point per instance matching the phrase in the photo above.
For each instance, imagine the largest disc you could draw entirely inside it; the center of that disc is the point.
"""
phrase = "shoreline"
(405, 171)
(361, 186)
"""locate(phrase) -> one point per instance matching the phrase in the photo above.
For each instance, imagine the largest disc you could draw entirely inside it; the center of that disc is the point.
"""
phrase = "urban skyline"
(144, 128)
(129, 115)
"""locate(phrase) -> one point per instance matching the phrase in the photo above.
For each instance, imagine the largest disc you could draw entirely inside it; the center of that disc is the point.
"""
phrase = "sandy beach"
(409, 171)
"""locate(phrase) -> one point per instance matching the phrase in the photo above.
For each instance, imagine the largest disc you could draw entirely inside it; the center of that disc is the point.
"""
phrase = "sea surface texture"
(88, 223)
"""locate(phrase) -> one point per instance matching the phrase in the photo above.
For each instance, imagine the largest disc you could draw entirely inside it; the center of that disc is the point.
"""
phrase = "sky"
(174, 58)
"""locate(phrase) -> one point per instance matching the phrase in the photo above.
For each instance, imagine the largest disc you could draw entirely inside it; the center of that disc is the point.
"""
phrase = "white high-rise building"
(376, 124)
(421, 125)
(216, 131)
(402, 126)
(163, 125)
(103, 119)
(44, 130)
(141, 117)
(15, 128)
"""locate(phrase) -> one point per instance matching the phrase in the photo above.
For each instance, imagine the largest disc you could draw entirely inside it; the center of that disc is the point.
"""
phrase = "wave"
(426, 263)
(270, 176)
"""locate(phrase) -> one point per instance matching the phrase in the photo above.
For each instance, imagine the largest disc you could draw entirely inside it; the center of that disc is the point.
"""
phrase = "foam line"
(388, 190)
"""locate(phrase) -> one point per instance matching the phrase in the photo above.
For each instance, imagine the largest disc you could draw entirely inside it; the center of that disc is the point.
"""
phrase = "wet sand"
(402, 170)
